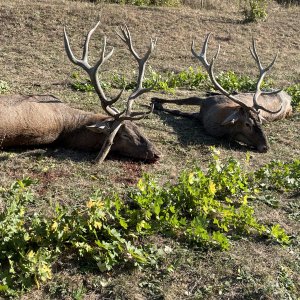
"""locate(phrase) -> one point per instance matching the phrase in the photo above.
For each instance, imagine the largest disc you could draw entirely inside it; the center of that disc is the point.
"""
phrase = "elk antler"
(262, 73)
(125, 36)
(93, 70)
(210, 70)
(106, 103)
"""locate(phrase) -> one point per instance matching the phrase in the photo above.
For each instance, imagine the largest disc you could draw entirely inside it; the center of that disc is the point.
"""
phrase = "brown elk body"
(45, 120)
(238, 117)
(279, 103)
(224, 118)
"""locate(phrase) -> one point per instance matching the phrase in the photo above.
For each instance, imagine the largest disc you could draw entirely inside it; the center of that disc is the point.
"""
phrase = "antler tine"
(271, 92)
(135, 116)
(70, 54)
(210, 70)
(86, 43)
(93, 70)
(125, 36)
(262, 72)
(202, 55)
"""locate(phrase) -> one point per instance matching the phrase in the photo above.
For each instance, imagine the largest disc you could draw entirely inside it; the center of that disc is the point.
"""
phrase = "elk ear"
(99, 127)
(233, 117)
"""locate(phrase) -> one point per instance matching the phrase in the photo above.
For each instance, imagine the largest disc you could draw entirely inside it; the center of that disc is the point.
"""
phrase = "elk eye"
(248, 125)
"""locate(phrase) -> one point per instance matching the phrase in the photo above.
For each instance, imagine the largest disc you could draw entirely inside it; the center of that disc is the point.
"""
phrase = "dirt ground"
(33, 61)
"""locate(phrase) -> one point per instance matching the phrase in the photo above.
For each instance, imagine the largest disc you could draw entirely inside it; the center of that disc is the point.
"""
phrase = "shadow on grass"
(48, 151)
(64, 154)
(190, 132)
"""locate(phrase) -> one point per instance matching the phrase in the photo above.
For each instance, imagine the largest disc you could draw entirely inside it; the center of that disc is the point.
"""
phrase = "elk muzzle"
(131, 142)
(262, 148)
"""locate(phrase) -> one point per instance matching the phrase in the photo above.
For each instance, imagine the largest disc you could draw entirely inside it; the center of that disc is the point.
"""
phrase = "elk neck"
(75, 134)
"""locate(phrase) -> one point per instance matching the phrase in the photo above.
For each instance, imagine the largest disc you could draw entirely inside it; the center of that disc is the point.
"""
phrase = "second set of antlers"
(262, 72)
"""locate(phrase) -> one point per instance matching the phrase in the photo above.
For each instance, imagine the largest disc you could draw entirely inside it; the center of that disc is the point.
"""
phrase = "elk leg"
(158, 105)
(179, 113)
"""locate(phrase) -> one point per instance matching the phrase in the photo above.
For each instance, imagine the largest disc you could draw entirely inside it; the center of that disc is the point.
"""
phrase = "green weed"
(192, 79)
(83, 84)
(294, 92)
(255, 10)
(4, 87)
(203, 209)
(280, 176)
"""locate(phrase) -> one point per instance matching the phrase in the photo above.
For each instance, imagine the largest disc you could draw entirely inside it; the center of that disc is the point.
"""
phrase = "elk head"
(243, 122)
(243, 126)
(119, 126)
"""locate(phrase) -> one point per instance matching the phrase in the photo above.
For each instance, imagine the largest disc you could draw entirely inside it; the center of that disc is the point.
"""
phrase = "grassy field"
(33, 61)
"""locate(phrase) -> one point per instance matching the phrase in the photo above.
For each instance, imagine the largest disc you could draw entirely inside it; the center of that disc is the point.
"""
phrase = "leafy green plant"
(20, 264)
(4, 87)
(202, 208)
(279, 175)
(82, 84)
(233, 82)
(198, 79)
(255, 10)
(30, 243)
(205, 209)
(170, 81)
(294, 92)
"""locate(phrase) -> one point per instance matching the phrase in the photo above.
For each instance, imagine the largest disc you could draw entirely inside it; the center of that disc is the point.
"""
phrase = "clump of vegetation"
(168, 82)
(4, 87)
(233, 82)
(83, 84)
(255, 10)
(294, 92)
(193, 79)
(280, 176)
(204, 209)
(30, 243)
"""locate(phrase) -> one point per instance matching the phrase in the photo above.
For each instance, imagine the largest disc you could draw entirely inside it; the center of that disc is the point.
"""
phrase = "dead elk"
(237, 117)
(45, 120)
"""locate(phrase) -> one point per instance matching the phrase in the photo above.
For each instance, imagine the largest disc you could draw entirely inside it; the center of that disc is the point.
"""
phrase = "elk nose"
(263, 148)
(154, 157)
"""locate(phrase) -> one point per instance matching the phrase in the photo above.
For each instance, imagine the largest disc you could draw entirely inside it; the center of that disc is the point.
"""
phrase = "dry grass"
(32, 60)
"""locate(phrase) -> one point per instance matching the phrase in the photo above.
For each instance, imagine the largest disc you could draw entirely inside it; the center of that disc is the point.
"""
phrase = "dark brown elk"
(45, 120)
(237, 117)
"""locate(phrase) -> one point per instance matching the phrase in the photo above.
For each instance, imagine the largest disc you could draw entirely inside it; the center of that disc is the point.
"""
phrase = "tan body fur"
(222, 117)
(44, 119)
(271, 102)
